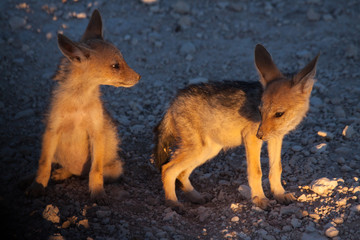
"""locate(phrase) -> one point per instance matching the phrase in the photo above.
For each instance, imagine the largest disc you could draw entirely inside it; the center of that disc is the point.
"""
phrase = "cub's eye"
(116, 66)
(279, 114)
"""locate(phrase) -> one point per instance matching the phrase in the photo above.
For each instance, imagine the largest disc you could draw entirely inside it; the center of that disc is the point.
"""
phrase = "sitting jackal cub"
(80, 136)
(205, 118)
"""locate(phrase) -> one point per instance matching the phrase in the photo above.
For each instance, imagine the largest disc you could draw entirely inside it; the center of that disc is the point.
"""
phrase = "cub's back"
(219, 110)
(227, 96)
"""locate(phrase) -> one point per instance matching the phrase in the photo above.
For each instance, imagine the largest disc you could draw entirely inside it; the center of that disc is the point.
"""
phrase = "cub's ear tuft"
(94, 28)
(265, 65)
(305, 78)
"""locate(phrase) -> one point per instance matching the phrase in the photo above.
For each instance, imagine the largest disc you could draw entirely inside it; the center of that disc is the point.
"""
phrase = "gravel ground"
(172, 44)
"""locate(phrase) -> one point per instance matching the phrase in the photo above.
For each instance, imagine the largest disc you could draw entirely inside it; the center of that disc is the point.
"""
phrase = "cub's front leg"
(253, 150)
(49, 144)
(278, 191)
(96, 175)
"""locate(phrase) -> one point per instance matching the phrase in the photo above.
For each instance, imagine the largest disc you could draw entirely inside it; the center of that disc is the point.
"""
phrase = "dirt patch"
(172, 44)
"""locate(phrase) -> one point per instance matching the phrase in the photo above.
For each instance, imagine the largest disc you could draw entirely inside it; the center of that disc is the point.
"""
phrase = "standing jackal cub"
(80, 136)
(205, 118)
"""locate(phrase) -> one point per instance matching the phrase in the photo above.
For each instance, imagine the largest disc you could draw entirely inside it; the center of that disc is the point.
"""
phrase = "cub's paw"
(60, 174)
(262, 203)
(99, 197)
(35, 190)
(175, 206)
(285, 198)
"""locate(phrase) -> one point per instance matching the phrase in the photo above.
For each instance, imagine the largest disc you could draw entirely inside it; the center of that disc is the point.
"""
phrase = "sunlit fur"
(205, 118)
(80, 136)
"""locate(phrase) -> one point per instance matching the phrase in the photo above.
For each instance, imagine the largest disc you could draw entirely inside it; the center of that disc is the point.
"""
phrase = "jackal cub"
(80, 136)
(205, 118)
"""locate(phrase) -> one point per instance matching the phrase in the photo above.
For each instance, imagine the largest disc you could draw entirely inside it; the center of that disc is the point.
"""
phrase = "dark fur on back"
(244, 96)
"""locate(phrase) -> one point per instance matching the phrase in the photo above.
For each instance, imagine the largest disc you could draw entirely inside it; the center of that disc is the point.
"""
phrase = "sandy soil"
(172, 44)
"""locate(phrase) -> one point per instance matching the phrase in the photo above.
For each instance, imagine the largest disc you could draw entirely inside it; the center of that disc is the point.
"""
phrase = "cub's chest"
(81, 119)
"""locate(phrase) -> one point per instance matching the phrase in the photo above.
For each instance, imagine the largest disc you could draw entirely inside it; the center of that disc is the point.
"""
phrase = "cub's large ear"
(305, 78)
(265, 65)
(73, 51)
(94, 28)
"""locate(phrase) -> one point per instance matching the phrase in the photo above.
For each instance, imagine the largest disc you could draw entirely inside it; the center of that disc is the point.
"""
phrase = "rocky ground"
(172, 44)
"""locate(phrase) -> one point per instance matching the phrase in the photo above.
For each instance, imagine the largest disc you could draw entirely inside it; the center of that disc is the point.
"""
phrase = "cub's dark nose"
(259, 134)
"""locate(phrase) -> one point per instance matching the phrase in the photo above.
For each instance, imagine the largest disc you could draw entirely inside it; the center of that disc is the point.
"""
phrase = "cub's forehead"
(103, 47)
(279, 93)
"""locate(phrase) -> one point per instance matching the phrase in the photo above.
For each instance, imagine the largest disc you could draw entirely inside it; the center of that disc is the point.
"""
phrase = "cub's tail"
(164, 140)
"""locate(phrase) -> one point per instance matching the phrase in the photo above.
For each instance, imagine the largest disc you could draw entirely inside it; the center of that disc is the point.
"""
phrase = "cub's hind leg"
(181, 160)
(113, 170)
(208, 152)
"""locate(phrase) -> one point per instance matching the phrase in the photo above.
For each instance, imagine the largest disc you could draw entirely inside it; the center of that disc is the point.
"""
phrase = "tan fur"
(80, 136)
(205, 118)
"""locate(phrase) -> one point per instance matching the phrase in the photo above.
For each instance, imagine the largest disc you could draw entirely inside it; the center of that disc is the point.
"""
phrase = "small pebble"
(331, 232)
(312, 15)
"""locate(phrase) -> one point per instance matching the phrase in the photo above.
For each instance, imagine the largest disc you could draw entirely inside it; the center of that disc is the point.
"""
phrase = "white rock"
(348, 131)
(187, 48)
(185, 22)
(24, 114)
(296, 148)
(356, 190)
(319, 148)
(328, 17)
(355, 208)
(170, 216)
(302, 198)
(303, 54)
(326, 135)
(263, 233)
(245, 192)
(103, 213)
(17, 22)
(339, 112)
(288, 210)
(236, 7)
(81, 15)
(181, 7)
(198, 80)
(312, 15)
(203, 213)
(149, 1)
(235, 219)
(340, 161)
(346, 168)
(331, 232)
(296, 223)
(341, 202)
(338, 220)
(51, 213)
(343, 150)
(316, 102)
(313, 236)
(137, 129)
(351, 51)
(323, 186)
(287, 228)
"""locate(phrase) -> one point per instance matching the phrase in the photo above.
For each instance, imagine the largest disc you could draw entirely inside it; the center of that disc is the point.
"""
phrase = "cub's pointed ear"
(94, 28)
(265, 65)
(73, 51)
(305, 78)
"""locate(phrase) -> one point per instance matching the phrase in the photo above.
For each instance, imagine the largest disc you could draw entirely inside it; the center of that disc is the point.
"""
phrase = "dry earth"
(172, 44)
